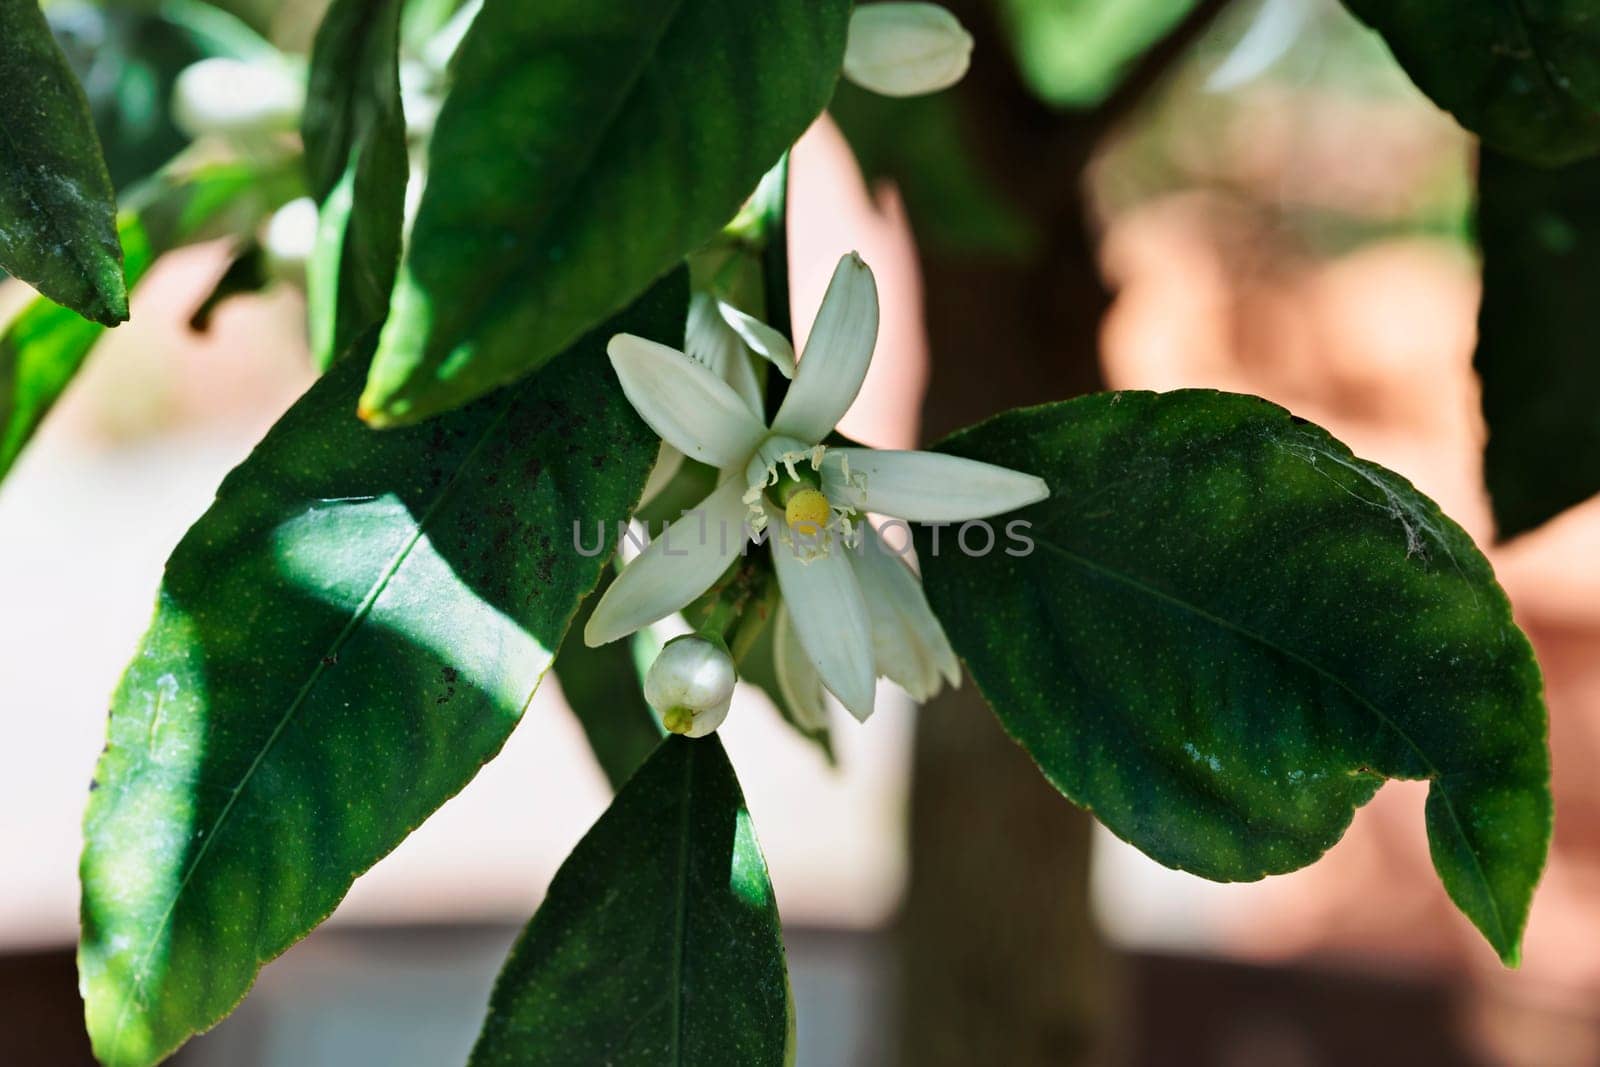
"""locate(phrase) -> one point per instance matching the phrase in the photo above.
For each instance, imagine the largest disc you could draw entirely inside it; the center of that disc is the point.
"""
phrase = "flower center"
(786, 478)
(807, 512)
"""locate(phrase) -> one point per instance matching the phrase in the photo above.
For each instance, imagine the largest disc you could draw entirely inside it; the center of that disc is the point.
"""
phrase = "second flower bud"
(691, 684)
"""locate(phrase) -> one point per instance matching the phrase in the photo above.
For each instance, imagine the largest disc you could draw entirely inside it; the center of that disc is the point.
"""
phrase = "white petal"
(837, 354)
(668, 462)
(908, 643)
(798, 681)
(707, 721)
(237, 98)
(831, 622)
(690, 407)
(763, 339)
(927, 486)
(710, 340)
(906, 49)
(678, 566)
(690, 672)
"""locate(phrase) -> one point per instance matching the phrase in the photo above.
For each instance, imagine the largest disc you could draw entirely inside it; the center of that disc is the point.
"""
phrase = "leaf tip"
(379, 412)
(112, 312)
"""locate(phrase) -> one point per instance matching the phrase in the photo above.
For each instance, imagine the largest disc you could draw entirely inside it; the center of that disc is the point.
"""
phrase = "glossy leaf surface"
(1524, 76)
(607, 141)
(658, 942)
(340, 643)
(58, 214)
(1229, 631)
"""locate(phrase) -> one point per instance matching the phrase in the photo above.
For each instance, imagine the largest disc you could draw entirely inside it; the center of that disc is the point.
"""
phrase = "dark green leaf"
(246, 273)
(658, 942)
(1523, 76)
(606, 141)
(1229, 631)
(45, 345)
(340, 642)
(58, 215)
(355, 137)
(772, 197)
(924, 146)
(1539, 337)
(603, 689)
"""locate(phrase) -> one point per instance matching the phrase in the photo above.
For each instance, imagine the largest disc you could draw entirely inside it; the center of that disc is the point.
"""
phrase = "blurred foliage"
(128, 58)
(921, 143)
(1265, 111)
(1073, 53)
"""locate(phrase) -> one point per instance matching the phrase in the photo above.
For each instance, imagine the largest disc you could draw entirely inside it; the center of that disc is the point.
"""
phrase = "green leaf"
(43, 348)
(247, 273)
(1229, 631)
(355, 138)
(340, 642)
(58, 214)
(41, 352)
(604, 691)
(1074, 53)
(423, 19)
(607, 141)
(1523, 76)
(658, 942)
(1538, 354)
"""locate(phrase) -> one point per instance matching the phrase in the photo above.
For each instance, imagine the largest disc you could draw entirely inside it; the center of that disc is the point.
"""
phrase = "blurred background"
(1247, 196)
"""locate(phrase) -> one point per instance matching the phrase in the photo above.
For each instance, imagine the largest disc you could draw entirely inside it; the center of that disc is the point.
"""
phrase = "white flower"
(809, 498)
(906, 49)
(691, 684)
(722, 338)
(798, 680)
(235, 98)
(289, 238)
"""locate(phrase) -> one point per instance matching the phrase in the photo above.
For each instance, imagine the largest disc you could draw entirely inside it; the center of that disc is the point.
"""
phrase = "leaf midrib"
(363, 610)
(1436, 777)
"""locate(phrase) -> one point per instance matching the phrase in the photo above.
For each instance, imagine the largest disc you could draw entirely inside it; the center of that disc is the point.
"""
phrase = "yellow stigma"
(678, 720)
(807, 512)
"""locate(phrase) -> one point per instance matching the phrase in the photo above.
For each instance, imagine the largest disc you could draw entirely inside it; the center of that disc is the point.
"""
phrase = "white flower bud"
(906, 49)
(691, 684)
(234, 98)
(290, 236)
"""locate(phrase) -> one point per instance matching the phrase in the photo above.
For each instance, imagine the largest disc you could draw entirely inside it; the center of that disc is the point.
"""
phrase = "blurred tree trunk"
(1000, 958)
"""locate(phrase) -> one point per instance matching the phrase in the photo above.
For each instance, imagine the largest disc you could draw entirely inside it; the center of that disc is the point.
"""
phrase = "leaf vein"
(141, 971)
(1435, 775)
